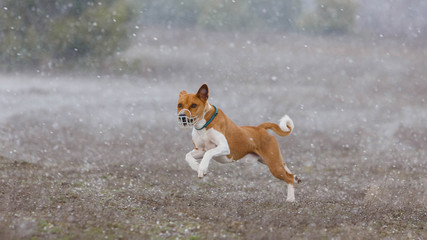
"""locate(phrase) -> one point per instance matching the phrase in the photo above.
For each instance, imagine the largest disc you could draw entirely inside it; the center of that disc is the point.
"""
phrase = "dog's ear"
(182, 93)
(203, 92)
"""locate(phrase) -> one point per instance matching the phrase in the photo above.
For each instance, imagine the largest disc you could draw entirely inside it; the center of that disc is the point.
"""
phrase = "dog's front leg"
(191, 158)
(222, 149)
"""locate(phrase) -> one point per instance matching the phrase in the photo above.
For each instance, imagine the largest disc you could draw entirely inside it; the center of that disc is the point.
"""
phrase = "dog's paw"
(202, 171)
(291, 193)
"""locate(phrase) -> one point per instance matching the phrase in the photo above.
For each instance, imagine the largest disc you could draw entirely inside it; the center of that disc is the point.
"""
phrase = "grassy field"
(101, 157)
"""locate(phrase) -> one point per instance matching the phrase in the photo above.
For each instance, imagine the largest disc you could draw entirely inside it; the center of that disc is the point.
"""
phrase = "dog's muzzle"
(184, 121)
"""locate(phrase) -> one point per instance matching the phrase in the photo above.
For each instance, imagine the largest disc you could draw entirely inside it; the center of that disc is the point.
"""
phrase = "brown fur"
(188, 99)
(245, 139)
(276, 129)
(263, 144)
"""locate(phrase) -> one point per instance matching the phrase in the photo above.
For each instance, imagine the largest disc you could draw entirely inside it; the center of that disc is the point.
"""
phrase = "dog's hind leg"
(272, 157)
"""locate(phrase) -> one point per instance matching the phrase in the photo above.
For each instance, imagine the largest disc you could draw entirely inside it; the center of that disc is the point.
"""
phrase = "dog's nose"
(183, 118)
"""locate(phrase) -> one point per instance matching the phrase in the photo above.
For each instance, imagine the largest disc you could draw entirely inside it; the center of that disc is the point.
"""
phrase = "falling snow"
(86, 154)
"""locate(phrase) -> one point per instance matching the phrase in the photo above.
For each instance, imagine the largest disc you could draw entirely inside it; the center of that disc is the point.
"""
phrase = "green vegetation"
(330, 17)
(279, 15)
(59, 34)
(223, 15)
(91, 35)
(226, 15)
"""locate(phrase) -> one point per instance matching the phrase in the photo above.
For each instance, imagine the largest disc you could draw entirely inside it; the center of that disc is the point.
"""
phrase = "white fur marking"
(251, 158)
(287, 169)
(213, 143)
(284, 122)
(200, 124)
(291, 193)
(202, 121)
(191, 156)
(291, 189)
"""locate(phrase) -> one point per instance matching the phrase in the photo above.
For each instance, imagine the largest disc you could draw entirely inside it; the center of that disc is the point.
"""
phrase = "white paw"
(290, 199)
(202, 171)
(291, 193)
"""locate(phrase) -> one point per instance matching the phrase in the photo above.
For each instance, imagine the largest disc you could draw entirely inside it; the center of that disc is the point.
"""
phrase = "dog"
(216, 137)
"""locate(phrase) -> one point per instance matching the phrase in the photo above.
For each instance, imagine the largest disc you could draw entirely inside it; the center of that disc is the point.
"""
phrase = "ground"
(101, 157)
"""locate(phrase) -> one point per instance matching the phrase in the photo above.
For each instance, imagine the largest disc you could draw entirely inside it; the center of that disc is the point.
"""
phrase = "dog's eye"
(193, 105)
(180, 105)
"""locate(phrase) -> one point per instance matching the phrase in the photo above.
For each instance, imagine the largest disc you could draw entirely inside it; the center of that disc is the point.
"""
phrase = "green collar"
(210, 120)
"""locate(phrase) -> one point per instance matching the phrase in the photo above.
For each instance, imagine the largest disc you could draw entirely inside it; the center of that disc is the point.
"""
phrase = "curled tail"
(285, 127)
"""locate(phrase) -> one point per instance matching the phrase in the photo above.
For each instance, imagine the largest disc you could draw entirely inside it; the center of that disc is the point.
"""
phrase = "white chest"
(204, 139)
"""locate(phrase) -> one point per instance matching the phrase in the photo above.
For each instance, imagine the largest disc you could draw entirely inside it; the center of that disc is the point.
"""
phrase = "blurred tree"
(330, 16)
(171, 13)
(227, 15)
(222, 15)
(279, 15)
(398, 18)
(62, 33)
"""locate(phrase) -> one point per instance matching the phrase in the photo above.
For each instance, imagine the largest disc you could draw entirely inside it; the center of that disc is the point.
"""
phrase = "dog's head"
(191, 106)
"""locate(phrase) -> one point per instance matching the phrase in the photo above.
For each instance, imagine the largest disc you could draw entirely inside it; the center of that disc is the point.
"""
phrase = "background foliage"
(66, 34)
(59, 34)
(223, 15)
(330, 16)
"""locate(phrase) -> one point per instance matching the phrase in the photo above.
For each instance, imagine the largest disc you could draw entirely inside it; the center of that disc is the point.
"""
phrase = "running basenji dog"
(216, 137)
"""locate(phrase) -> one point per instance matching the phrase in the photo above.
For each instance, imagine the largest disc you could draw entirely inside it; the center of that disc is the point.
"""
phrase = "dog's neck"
(207, 113)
